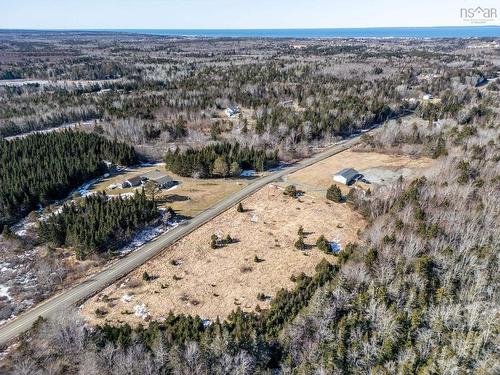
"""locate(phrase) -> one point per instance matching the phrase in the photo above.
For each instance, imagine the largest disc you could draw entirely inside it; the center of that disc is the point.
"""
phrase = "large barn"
(346, 176)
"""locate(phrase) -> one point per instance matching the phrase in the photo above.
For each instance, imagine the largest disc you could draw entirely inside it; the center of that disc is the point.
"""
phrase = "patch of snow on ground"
(84, 189)
(248, 173)
(206, 322)
(147, 235)
(22, 227)
(4, 291)
(141, 311)
(279, 167)
(126, 298)
(335, 246)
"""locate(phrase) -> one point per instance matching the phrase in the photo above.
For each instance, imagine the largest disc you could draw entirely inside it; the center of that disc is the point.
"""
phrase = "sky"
(232, 14)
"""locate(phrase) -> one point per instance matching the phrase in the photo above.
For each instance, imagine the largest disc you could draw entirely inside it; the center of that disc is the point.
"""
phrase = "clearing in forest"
(191, 277)
(188, 197)
(377, 168)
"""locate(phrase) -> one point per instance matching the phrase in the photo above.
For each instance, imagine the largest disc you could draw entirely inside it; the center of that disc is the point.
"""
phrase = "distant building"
(427, 97)
(131, 182)
(232, 110)
(165, 182)
(346, 176)
(162, 179)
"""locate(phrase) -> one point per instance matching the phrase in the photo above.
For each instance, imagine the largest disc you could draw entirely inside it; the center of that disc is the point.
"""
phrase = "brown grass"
(318, 177)
(189, 198)
(192, 278)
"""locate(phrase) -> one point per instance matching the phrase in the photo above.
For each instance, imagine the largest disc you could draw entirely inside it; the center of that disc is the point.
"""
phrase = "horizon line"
(245, 28)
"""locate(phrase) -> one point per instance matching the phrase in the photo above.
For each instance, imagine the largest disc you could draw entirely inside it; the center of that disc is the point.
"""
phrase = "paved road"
(120, 268)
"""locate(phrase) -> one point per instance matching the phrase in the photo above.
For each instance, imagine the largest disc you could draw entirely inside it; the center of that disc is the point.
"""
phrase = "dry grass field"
(378, 168)
(190, 277)
(189, 198)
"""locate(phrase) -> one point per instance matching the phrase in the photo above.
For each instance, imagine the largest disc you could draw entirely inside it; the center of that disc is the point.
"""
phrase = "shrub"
(239, 208)
(213, 241)
(228, 240)
(323, 244)
(299, 244)
(291, 191)
(334, 194)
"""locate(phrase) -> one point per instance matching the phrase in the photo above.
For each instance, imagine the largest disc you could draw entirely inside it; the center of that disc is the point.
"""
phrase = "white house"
(346, 176)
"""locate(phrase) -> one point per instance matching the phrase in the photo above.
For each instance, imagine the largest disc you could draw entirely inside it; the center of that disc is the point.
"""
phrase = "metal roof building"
(346, 176)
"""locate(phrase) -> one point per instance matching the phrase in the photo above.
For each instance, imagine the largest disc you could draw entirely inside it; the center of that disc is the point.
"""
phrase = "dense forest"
(97, 223)
(218, 160)
(288, 100)
(40, 168)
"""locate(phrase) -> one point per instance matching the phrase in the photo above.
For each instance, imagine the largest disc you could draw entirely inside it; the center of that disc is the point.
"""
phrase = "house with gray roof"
(347, 176)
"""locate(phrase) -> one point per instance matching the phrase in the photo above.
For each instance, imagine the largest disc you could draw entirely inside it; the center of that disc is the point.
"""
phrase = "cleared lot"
(188, 198)
(190, 277)
(378, 168)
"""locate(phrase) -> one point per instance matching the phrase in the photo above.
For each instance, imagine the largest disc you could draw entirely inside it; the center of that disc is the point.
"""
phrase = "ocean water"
(374, 32)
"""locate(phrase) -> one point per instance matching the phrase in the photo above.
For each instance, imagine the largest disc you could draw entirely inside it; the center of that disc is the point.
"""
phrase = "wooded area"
(99, 224)
(41, 168)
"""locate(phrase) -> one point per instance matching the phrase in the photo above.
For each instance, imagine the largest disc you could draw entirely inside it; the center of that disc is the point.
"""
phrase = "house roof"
(151, 175)
(134, 180)
(347, 173)
(163, 180)
(157, 176)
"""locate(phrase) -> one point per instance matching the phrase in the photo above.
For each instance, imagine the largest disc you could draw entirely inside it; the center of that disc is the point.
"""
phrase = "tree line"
(218, 160)
(44, 167)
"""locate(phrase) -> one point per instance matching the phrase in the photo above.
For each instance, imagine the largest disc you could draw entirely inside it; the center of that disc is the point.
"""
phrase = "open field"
(188, 198)
(378, 168)
(192, 278)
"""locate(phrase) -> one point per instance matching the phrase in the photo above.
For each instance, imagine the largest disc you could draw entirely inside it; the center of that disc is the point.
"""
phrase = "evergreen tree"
(299, 244)
(98, 224)
(323, 244)
(44, 167)
(334, 194)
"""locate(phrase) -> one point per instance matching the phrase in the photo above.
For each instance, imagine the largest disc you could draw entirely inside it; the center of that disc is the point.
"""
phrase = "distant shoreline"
(490, 31)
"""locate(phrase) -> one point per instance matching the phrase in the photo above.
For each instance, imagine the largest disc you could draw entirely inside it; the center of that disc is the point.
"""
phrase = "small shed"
(346, 176)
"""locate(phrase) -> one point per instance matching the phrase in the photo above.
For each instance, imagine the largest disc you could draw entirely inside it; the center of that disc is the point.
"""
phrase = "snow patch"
(279, 167)
(126, 298)
(147, 235)
(248, 173)
(141, 311)
(4, 292)
(335, 246)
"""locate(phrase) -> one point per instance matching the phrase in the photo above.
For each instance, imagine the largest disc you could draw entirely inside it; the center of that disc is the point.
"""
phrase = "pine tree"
(334, 194)
(300, 232)
(299, 244)
(213, 241)
(323, 244)
(239, 208)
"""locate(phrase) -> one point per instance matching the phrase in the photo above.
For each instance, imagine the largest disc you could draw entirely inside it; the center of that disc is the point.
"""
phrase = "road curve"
(120, 268)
